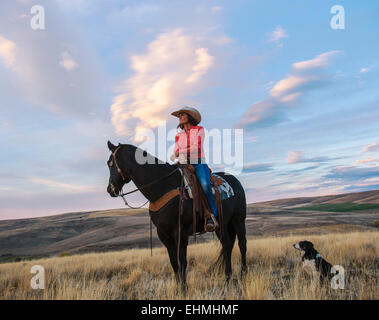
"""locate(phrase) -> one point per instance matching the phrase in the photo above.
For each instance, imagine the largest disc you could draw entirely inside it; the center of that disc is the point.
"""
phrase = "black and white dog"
(313, 263)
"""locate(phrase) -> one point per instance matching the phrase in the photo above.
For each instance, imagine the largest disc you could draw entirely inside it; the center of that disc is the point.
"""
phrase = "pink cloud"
(287, 91)
(7, 52)
(295, 156)
(170, 69)
(371, 147)
(322, 60)
(368, 160)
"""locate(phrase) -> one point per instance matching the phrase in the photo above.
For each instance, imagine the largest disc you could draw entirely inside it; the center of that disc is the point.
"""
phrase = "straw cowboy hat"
(191, 111)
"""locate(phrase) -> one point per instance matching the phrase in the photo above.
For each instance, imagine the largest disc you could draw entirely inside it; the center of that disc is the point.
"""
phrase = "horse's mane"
(150, 158)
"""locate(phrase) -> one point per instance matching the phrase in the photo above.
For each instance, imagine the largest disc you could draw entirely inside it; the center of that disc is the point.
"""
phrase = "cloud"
(298, 157)
(353, 173)
(251, 139)
(278, 34)
(304, 76)
(262, 114)
(38, 61)
(364, 70)
(7, 52)
(61, 185)
(203, 62)
(320, 61)
(362, 187)
(257, 167)
(170, 69)
(215, 9)
(289, 89)
(316, 166)
(368, 160)
(67, 62)
(373, 147)
(140, 10)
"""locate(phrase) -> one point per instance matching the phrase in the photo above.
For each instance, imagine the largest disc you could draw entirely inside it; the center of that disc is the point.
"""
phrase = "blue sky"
(305, 94)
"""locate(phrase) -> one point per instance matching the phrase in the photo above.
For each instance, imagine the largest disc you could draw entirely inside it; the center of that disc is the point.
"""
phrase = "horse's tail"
(218, 265)
(238, 214)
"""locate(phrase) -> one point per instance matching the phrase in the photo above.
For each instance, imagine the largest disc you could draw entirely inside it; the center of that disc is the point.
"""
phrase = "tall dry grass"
(274, 272)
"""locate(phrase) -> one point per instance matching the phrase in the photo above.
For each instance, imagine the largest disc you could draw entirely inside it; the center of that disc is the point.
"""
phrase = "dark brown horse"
(154, 179)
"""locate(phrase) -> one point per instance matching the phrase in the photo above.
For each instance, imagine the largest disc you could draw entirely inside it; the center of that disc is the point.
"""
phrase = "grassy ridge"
(274, 272)
(12, 258)
(340, 207)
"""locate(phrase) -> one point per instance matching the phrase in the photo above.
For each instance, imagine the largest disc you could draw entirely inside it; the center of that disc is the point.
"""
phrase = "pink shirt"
(190, 142)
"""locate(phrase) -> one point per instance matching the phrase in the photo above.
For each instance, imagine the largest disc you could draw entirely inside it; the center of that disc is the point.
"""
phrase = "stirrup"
(211, 227)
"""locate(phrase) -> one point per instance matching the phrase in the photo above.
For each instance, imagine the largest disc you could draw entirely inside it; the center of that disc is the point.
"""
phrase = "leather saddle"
(201, 209)
(200, 203)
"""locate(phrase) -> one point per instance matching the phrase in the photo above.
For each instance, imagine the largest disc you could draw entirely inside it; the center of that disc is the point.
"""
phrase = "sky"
(305, 94)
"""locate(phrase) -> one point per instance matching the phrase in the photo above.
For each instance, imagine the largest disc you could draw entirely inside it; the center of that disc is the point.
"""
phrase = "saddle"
(200, 203)
(201, 209)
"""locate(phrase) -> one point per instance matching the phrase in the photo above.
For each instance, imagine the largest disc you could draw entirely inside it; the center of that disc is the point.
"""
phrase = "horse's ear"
(111, 146)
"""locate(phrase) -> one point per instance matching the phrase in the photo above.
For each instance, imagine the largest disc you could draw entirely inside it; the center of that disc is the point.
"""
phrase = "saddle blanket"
(225, 189)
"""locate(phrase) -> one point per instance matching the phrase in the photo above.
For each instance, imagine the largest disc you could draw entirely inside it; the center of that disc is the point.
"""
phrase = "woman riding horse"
(155, 179)
(189, 149)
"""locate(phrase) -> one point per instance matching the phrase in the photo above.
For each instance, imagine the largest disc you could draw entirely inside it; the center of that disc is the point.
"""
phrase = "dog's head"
(303, 245)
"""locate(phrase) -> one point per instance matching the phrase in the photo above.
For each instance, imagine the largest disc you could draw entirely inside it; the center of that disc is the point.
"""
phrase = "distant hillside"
(82, 231)
(358, 197)
(126, 228)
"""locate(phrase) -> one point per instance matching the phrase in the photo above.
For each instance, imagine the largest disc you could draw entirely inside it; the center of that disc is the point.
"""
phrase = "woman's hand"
(173, 156)
(182, 158)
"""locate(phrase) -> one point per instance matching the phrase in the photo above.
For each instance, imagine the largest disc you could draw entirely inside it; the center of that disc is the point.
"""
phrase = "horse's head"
(118, 175)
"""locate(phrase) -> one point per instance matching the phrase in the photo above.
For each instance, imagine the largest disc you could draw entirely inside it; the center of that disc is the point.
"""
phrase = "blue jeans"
(202, 173)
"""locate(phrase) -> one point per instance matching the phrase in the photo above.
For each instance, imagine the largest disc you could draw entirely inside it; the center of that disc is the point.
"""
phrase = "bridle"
(122, 194)
(116, 164)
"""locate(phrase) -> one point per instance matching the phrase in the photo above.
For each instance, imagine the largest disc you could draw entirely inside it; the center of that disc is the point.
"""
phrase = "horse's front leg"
(181, 274)
(169, 242)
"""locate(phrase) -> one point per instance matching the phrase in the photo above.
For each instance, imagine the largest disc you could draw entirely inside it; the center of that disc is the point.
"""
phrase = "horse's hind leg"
(227, 247)
(240, 228)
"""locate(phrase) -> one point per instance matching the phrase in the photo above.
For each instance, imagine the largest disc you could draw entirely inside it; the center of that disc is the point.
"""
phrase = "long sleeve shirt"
(189, 143)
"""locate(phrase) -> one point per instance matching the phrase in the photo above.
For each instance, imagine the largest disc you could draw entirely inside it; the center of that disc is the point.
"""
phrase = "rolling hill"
(357, 197)
(118, 229)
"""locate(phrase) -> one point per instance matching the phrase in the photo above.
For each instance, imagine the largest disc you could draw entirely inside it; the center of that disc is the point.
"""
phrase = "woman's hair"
(191, 120)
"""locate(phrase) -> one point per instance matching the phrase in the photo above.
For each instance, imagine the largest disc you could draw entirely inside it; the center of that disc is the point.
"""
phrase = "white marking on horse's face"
(297, 246)
(112, 188)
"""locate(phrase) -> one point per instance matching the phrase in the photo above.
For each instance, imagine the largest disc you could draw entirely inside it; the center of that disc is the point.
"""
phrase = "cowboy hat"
(191, 111)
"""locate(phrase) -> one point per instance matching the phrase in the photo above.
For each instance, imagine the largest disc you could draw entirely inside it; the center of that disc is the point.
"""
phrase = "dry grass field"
(274, 272)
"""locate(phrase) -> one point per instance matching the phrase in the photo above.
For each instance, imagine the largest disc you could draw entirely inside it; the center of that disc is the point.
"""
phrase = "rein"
(149, 184)
(122, 194)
